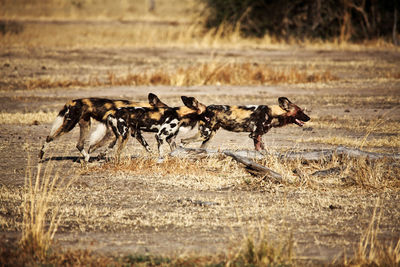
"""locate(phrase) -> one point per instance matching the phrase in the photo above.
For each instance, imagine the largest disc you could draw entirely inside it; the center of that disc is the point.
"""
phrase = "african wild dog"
(82, 110)
(166, 121)
(257, 120)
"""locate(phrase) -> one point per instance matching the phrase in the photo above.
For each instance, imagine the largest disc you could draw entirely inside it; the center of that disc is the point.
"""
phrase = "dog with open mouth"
(256, 119)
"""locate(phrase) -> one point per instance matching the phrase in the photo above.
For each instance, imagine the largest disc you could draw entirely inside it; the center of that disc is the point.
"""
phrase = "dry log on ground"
(326, 154)
(316, 155)
(253, 167)
(247, 157)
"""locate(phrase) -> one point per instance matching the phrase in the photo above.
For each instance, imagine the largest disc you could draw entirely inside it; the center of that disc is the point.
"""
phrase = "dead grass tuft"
(33, 118)
(378, 174)
(41, 216)
(387, 142)
(149, 166)
(371, 252)
(13, 256)
(262, 251)
(338, 172)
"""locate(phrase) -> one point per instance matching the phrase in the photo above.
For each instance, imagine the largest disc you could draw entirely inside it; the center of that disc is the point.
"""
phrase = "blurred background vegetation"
(282, 20)
(344, 19)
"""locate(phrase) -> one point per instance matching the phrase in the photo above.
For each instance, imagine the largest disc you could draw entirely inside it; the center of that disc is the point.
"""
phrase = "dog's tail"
(65, 121)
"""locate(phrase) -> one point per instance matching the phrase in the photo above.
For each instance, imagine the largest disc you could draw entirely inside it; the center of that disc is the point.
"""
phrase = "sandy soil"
(157, 214)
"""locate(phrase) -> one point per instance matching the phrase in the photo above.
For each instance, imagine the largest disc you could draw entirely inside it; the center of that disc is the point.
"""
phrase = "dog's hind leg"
(100, 137)
(122, 140)
(84, 125)
(167, 133)
(138, 135)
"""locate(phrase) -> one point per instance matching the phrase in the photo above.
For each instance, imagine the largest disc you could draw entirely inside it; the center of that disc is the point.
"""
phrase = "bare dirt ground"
(120, 212)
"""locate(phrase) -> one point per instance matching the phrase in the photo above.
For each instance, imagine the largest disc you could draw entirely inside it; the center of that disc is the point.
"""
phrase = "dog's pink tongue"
(299, 122)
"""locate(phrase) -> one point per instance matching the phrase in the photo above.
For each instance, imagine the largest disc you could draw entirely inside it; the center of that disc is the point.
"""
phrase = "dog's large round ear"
(155, 101)
(284, 103)
(190, 102)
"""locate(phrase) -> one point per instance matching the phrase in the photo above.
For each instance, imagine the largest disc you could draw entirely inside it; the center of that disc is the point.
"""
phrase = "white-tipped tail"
(58, 122)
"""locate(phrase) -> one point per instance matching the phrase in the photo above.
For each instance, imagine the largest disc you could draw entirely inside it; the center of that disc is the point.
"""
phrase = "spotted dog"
(257, 120)
(166, 121)
(81, 111)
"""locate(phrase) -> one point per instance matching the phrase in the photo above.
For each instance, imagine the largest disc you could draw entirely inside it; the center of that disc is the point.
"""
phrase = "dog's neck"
(277, 111)
(184, 111)
(278, 116)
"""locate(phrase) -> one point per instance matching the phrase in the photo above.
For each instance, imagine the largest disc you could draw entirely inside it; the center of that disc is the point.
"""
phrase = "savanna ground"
(203, 208)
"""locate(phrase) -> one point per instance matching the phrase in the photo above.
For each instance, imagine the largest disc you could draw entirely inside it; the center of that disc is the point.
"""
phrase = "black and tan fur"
(257, 120)
(81, 111)
(166, 121)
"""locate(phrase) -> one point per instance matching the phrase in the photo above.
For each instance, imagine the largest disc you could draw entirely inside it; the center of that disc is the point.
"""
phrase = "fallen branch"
(324, 154)
(242, 156)
(254, 168)
(327, 154)
(246, 158)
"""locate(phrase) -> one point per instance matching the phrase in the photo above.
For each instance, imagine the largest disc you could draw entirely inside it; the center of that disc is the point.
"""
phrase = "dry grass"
(109, 204)
(156, 33)
(202, 74)
(41, 211)
(379, 132)
(390, 142)
(34, 118)
(262, 251)
(122, 24)
(107, 9)
(379, 175)
(359, 125)
(371, 252)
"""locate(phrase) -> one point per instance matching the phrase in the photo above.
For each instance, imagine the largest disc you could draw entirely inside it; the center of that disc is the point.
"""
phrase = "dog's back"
(237, 118)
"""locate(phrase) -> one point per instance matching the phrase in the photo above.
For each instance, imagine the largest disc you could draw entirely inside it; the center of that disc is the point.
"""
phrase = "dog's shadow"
(72, 159)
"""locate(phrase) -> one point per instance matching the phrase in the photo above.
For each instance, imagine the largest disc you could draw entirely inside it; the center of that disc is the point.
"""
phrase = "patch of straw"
(41, 216)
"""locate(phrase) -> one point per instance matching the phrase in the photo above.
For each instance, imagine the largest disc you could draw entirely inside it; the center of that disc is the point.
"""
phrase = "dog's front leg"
(257, 139)
(258, 143)
(160, 141)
